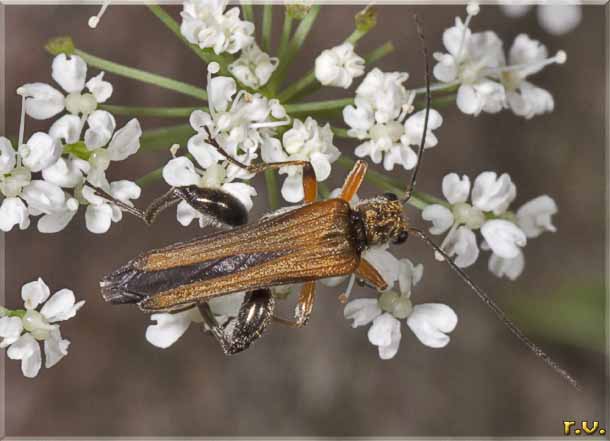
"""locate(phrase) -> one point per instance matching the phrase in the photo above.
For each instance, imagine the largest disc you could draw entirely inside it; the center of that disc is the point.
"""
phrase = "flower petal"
(8, 156)
(456, 189)
(55, 348)
(98, 218)
(509, 268)
(180, 172)
(10, 330)
(55, 222)
(70, 73)
(362, 311)
(125, 142)
(101, 90)
(43, 101)
(101, 126)
(292, 188)
(168, 329)
(431, 322)
(440, 216)
(380, 333)
(34, 293)
(40, 152)
(27, 350)
(13, 212)
(67, 128)
(493, 193)
(534, 217)
(503, 237)
(61, 306)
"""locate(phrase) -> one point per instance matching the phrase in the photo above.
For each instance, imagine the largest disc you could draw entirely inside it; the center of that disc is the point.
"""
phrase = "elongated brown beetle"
(314, 241)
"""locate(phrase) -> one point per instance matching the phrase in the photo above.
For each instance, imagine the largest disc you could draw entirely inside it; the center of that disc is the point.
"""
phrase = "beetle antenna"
(497, 310)
(420, 153)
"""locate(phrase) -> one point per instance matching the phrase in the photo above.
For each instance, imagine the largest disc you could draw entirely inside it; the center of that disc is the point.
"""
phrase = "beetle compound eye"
(401, 238)
(390, 196)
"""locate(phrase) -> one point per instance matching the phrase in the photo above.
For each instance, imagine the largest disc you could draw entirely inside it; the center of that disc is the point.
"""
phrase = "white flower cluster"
(430, 322)
(64, 157)
(21, 330)
(244, 124)
(504, 233)
(339, 66)
(383, 118)
(487, 83)
(206, 24)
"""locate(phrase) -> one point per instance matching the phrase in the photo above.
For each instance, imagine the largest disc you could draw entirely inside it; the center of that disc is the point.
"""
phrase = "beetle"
(316, 240)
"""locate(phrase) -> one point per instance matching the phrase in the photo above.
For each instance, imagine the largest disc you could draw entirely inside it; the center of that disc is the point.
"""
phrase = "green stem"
(267, 26)
(141, 75)
(341, 133)
(207, 55)
(318, 106)
(293, 48)
(165, 137)
(150, 178)
(285, 38)
(273, 189)
(246, 9)
(323, 190)
(377, 54)
(162, 112)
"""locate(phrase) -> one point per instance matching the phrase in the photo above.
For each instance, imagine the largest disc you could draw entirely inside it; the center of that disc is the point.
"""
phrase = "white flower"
(556, 18)
(13, 212)
(8, 156)
(10, 330)
(528, 57)
(100, 213)
(509, 268)
(468, 61)
(50, 201)
(170, 327)
(339, 66)
(381, 118)
(430, 322)
(238, 121)
(534, 217)
(305, 141)
(491, 196)
(205, 23)
(254, 67)
(503, 237)
(41, 325)
(44, 101)
(40, 152)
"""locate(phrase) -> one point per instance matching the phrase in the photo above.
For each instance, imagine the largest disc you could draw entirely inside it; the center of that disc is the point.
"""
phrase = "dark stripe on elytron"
(152, 282)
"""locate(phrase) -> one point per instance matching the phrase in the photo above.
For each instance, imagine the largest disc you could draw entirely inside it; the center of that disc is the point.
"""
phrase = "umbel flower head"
(505, 234)
(22, 330)
(476, 62)
(382, 118)
(430, 322)
(206, 24)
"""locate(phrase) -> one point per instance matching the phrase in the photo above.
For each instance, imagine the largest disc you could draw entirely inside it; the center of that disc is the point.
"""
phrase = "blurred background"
(326, 379)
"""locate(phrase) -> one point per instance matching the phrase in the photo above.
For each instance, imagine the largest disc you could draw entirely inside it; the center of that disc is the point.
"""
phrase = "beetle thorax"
(383, 220)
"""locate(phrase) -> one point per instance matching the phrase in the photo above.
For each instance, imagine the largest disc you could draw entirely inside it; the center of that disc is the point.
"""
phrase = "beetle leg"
(302, 311)
(217, 204)
(310, 184)
(353, 181)
(237, 334)
(369, 274)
